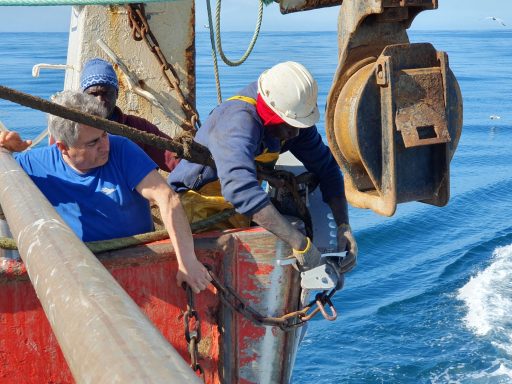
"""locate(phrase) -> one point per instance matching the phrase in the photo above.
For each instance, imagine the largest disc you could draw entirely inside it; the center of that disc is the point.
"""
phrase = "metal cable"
(184, 147)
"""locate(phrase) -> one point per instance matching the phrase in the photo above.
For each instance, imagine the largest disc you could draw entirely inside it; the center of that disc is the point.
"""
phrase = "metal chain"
(192, 331)
(286, 322)
(141, 31)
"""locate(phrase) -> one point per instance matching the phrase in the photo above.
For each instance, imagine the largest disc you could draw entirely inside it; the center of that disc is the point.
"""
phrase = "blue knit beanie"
(98, 72)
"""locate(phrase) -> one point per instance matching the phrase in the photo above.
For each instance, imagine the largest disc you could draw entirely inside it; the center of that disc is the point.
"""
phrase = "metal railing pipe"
(104, 336)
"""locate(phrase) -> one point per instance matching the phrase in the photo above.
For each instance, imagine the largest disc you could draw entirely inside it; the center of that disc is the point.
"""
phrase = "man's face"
(283, 131)
(91, 149)
(106, 94)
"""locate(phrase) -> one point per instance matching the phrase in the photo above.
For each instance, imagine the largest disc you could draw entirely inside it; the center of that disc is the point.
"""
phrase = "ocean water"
(431, 298)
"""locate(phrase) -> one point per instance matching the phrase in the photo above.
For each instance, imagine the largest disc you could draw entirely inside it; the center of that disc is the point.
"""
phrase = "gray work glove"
(308, 258)
(347, 242)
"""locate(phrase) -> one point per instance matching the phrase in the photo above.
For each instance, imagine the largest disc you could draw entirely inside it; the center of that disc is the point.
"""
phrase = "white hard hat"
(291, 92)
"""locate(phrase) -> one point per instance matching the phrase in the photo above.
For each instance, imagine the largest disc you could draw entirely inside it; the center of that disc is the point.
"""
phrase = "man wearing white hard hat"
(271, 116)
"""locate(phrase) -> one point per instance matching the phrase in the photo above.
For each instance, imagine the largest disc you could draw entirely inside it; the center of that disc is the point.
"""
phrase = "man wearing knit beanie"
(98, 78)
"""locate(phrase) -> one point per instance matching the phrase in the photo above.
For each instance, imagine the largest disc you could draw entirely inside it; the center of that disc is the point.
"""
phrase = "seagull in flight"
(496, 19)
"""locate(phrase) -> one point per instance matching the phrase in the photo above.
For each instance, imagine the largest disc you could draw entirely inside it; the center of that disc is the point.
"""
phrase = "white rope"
(219, 42)
(251, 44)
(214, 53)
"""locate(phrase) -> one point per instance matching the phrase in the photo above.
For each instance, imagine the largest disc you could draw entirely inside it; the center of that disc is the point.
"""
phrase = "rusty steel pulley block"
(394, 112)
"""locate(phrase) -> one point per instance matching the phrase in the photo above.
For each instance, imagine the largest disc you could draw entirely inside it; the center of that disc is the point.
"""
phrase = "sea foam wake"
(488, 298)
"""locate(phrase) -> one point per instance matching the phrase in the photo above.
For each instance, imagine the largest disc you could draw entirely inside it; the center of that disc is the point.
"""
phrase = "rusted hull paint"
(392, 125)
(173, 25)
(266, 354)
(232, 349)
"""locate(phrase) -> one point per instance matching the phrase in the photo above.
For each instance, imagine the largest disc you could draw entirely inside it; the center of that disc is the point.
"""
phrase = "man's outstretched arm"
(154, 188)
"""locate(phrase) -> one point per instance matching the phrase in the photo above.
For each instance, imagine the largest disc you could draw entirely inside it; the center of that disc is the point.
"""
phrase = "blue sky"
(240, 15)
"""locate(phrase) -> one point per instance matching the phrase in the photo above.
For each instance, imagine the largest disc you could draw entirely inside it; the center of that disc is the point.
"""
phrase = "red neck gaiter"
(266, 114)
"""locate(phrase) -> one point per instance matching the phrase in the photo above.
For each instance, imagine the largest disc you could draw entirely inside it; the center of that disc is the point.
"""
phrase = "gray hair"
(66, 130)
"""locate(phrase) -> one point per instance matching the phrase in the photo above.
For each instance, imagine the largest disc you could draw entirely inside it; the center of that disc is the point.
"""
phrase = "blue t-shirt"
(102, 203)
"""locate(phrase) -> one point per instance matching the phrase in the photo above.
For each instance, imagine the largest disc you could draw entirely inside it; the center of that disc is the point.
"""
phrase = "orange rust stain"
(249, 335)
(264, 269)
(29, 352)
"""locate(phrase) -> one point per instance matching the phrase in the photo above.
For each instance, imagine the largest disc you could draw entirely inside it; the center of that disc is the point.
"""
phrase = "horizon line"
(311, 31)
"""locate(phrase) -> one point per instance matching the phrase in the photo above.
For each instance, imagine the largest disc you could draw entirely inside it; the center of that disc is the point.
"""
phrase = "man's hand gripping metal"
(347, 243)
(325, 271)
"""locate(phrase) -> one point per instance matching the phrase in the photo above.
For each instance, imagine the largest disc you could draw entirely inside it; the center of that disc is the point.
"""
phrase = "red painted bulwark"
(28, 349)
(229, 349)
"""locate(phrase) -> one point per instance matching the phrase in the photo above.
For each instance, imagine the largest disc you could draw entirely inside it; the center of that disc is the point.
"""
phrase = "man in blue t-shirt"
(101, 184)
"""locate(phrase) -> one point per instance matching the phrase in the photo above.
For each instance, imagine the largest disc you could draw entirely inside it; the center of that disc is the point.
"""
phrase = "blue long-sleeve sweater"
(235, 135)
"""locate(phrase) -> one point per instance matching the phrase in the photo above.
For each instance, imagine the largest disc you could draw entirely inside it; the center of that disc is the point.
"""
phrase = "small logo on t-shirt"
(108, 191)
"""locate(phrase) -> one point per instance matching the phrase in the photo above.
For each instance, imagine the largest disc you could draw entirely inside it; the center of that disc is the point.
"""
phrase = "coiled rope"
(218, 40)
(251, 44)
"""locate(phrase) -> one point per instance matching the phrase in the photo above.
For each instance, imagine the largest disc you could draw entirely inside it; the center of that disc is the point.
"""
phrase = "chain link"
(141, 31)
(286, 322)
(192, 331)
